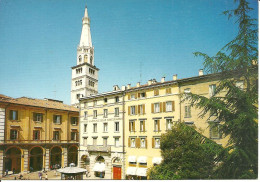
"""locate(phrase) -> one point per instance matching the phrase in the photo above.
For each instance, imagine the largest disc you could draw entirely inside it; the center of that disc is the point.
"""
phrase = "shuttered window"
(38, 117)
(36, 135)
(156, 92)
(13, 115)
(168, 90)
(187, 112)
(57, 119)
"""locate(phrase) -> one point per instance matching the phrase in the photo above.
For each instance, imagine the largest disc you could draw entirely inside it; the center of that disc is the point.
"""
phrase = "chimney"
(138, 84)
(123, 87)
(116, 87)
(200, 72)
(174, 77)
(163, 79)
(149, 82)
(128, 86)
(154, 80)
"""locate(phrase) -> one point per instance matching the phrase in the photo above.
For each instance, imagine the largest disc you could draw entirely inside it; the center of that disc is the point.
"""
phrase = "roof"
(45, 103)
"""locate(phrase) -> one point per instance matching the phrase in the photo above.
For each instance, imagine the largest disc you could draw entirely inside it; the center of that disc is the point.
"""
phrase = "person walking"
(46, 176)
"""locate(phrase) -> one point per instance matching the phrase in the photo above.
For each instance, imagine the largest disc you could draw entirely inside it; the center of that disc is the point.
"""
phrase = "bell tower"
(84, 80)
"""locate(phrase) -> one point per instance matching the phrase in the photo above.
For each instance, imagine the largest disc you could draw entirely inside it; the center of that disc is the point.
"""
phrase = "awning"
(157, 160)
(141, 172)
(132, 159)
(142, 159)
(131, 171)
(99, 167)
(71, 170)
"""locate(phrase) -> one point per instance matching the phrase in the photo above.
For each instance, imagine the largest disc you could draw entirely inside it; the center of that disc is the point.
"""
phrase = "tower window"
(86, 58)
(80, 59)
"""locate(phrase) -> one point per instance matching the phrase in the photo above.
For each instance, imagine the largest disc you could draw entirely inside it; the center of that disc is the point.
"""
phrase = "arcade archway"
(73, 155)
(85, 161)
(36, 159)
(55, 157)
(13, 160)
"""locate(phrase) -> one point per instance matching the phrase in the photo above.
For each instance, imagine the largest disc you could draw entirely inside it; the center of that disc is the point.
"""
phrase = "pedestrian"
(13, 170)
(6, 172)
(40, 175)
(56, 173)
(46, 176)
(86, 174)
(15, 178)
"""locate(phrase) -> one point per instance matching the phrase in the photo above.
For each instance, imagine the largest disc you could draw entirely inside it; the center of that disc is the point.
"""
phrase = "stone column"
(65, 157)
(1, 163)
(47, 159)
(25, 160)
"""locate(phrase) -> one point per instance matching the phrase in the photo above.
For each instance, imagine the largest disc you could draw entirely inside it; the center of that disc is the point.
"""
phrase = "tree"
(187, 155)
(238, 108)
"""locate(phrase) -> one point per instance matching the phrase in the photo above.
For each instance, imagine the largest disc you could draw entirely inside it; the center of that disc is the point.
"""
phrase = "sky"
(134, 40)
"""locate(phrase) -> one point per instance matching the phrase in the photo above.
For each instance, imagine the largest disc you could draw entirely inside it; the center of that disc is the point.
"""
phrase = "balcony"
(97, 148)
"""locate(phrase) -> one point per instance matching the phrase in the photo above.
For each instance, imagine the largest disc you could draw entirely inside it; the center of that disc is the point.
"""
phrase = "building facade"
(101, 135)
(145, 113)
(37, 134)
(84, 80)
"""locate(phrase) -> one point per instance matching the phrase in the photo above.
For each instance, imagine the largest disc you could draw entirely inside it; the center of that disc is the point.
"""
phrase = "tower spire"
(85, 39)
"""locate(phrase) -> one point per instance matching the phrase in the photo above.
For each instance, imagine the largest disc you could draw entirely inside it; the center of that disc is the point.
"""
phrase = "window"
(36, 135)
(57, 119)
(91, 71)
(116, 99)
(85, 141)
(156, 125)
(168, 106)
(156, 92)
(85, 128)
(104, 142)
(142, 95)
(104, 127)
(157, 107)
(95, 141)
(94, 103)
(73, 136)
(168, 90)
(95, 114)
(116, 126)
(240, 84)
(105, 100)
(132, 110)
(212, 89)
(116, 142)
(74, 120)
(13, 134)
(133, 96)
(187, 112)
(117, 111)
(214, 131)
(13, 115)
(142, 125)
(141, 109)
(157, 142)
(143, 143)
(169, 124)
(85, 114)
(105, 113)
(132, 126)
(85, 104)
(133, 142)
(78, 96)
(56, 135)
(80, 59)
(95, 128)
(38, 117)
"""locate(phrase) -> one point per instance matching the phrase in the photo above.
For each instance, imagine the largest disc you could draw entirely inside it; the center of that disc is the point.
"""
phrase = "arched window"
(80, 59)
(91, 60)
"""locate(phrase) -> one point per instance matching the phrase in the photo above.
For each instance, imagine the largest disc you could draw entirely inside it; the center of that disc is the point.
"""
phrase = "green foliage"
(187, 155)
(238, 110)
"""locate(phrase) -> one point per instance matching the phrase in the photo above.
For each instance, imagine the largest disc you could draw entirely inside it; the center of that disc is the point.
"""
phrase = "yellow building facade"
(37, 134)
(147, 112)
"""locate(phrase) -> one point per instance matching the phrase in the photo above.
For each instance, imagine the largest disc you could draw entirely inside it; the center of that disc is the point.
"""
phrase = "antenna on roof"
(54, 91)
(140, 71)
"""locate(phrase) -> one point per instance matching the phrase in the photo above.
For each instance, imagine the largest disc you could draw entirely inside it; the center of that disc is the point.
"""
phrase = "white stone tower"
(84, 80)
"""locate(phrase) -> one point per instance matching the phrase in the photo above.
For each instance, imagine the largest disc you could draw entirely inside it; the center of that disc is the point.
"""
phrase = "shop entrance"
(13, 160)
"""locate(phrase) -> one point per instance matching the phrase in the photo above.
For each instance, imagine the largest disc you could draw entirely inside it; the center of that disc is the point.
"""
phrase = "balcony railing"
(96, 148)
(4, 142)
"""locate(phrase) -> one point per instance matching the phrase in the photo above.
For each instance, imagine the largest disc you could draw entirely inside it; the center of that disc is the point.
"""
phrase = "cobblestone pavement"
(34, 176)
